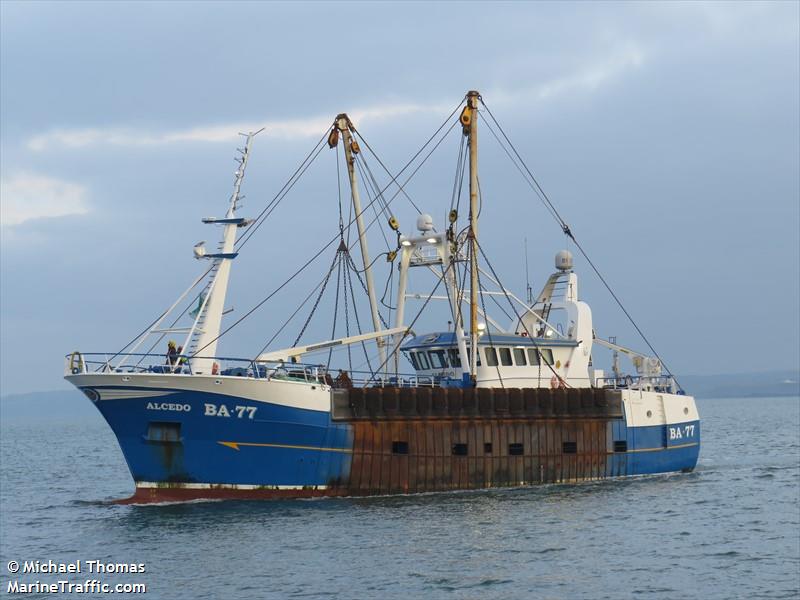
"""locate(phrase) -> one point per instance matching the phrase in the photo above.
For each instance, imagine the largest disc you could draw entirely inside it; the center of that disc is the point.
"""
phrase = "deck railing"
(78, 363)
(660, 383)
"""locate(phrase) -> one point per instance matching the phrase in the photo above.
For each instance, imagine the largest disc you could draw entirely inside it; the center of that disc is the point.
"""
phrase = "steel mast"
(351, 148)
(469, 121)
(204, 333)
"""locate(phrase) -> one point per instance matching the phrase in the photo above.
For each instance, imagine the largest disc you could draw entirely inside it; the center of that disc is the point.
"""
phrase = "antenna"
(528, 288)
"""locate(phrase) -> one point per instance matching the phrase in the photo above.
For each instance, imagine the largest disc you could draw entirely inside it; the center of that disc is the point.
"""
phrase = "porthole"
(649, 413)
(686, 410)
(218, 382)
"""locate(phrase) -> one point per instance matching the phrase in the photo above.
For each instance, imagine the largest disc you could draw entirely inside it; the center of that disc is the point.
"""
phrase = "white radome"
(425, 223)
(564, 260)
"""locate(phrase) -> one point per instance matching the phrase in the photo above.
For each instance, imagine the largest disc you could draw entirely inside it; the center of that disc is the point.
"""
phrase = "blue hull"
(177, 447)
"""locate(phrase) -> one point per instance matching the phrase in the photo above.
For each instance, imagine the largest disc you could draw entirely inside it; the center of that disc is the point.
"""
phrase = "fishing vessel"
(479, 402)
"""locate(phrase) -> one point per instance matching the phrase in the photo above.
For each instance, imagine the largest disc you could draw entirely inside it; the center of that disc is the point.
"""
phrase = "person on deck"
(343, 380)
(280, 371)
(172, 353)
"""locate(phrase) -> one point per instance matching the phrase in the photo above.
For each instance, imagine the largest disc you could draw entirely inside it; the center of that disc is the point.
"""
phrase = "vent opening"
(487, 448)
(569, 447)
(620, 446)
(459, 449)
(516, 449)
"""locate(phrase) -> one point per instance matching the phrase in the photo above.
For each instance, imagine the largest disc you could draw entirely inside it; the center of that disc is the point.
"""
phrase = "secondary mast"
(344, 125)
(469, 121)
(204, 334)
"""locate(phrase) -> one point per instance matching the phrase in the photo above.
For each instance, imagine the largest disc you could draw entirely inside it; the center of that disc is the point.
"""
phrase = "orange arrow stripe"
(235, 446)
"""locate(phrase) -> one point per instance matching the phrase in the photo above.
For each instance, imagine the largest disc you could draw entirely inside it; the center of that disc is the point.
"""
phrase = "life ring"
(554, 383)
(524, 334)
(76, 364)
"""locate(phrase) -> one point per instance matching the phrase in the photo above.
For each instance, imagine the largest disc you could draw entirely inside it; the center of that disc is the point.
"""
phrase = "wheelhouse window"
(519, 357)
(455, 360)
(505, 357)
(535, 356)
(423, 360)
(413, 358)
(491, 357)
(438, 360)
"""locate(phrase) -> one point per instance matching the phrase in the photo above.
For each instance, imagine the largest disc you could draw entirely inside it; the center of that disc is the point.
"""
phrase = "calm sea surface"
(731, 529)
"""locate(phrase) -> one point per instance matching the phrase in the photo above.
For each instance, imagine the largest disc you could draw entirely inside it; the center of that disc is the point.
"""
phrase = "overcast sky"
(666, 134)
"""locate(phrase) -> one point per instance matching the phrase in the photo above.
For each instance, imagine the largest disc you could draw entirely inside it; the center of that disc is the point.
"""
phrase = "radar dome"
(425, 222)
(564, 260)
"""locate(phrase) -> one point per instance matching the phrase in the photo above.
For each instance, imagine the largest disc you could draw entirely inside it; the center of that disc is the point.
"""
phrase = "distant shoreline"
(70, 402)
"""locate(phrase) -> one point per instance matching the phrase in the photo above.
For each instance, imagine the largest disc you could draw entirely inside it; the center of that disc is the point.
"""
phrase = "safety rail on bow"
(79, 363)
(662, 383)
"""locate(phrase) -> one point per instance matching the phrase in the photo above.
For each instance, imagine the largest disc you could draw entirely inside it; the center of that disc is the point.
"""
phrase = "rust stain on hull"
(410, 440)
(473, 454)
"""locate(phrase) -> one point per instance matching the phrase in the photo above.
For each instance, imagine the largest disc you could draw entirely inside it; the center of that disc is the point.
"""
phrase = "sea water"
(731, 529)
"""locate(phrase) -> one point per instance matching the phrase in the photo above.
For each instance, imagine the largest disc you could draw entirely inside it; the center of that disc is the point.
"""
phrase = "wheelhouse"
(506, 358)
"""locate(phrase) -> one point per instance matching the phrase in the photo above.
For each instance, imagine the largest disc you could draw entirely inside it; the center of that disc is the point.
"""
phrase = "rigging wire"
(519, 317)
(533, 181)
(568, 232)
(199, 296)
(457, 181)
(335, 310)
(352, 220)
(413, 158)
(488, 328)
(346, 316)
(364, 287)
(355, 313)
(157, 319)
(292, 316)
(390, 355)
(386, 291)
(339, 190)
(401, 189)
(413, 173)
(316, 303)
(287, 187)
(374, 182)
(368, 185)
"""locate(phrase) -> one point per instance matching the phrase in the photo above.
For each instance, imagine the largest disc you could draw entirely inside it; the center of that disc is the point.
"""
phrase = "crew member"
(280, 370)
(172, 353)
(343, 380)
